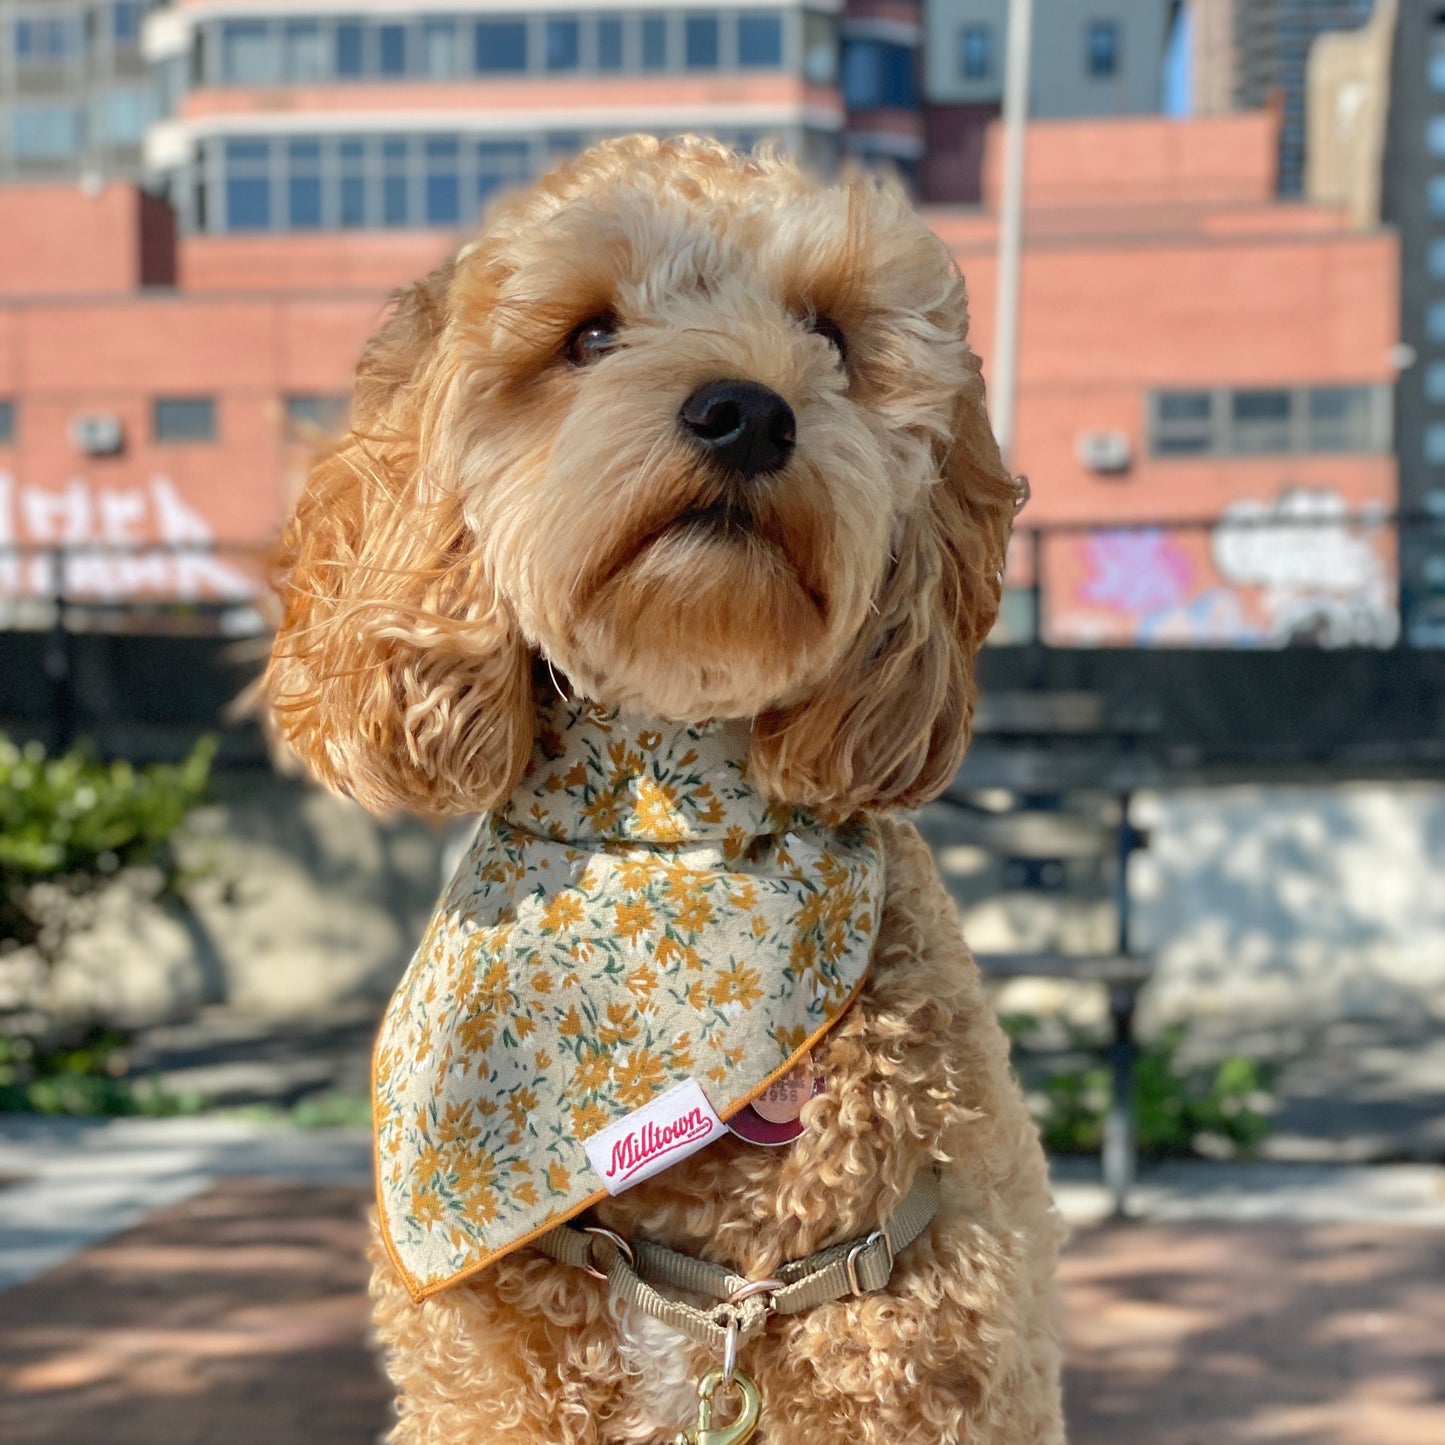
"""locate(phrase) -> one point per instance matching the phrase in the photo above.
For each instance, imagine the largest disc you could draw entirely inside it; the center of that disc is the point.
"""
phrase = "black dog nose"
(745, 426)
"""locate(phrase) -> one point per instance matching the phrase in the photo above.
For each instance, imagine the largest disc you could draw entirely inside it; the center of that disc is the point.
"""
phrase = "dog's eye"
(823, 326)
(592, 340)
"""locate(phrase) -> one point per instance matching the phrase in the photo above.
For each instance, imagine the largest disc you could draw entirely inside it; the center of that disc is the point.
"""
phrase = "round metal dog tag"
(773, 1117)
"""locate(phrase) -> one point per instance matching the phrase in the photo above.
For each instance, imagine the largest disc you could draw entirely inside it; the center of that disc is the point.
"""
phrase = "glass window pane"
(609, 43)
(1183, 406)
(1435, 192)
(440, 48)
(353, 202)
(1437, 72)
(1435, 444)
(700, 51)
(1435, 381)
(246, 53)
(654, 42)
(443, 200)
(563, 43)
(1101, 58)
(40, 132)
(820, 49)
(391, 48)
(305, 55)
(1341, 419)
(1259, 405)
(349, 38)
(304, 202)
(125, 18)
(248, 152)
(122, 113)
(1183, 444)
(317, 411)
(975, 52)
(760, 41)
(1435, 259)
(393, 201)
(7, 423)
(248, 203)
(1435, 135)
(1435, 321)
(1261, 422)
(501, 46)
(184, 419)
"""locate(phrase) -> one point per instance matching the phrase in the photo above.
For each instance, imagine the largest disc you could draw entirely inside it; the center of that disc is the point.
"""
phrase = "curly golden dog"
(690, 435)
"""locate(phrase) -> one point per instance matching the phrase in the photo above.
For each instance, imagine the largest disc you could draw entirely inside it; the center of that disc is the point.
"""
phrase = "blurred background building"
(206, 203)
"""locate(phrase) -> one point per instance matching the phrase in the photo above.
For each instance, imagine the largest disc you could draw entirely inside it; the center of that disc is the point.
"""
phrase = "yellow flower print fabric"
(636, 916)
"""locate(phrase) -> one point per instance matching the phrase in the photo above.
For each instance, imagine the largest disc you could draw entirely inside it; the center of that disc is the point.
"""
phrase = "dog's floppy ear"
(888, 727)
(398, 674)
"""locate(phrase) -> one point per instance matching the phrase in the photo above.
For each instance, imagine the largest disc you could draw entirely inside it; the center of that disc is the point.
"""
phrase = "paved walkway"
(1262, 1305)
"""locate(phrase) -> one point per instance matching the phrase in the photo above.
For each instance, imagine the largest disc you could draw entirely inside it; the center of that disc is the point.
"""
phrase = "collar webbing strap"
(854, 1267)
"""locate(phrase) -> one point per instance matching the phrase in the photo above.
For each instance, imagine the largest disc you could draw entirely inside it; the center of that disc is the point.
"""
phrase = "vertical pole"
(58, 662)
(1120, 1146)
(1004, 381)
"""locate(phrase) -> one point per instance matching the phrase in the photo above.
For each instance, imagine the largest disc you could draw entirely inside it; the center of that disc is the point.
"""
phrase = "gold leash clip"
(741, 1429)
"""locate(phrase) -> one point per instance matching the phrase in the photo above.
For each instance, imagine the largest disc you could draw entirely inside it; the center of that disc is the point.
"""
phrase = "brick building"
(1190, 347)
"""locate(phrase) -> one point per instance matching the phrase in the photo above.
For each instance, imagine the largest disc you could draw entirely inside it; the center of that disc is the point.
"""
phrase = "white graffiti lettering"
(173, 556)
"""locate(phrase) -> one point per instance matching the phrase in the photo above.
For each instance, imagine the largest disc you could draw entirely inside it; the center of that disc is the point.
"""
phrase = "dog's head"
(693, 432)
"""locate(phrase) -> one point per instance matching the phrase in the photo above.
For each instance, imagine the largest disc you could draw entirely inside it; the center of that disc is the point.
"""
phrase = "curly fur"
(496, 510)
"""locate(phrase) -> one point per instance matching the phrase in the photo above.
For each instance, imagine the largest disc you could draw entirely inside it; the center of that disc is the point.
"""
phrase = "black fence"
(1301, 634)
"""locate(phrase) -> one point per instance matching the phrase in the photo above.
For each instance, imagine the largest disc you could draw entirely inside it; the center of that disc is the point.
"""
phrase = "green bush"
(1221, 1108)
(74, 821)
(81, 1078)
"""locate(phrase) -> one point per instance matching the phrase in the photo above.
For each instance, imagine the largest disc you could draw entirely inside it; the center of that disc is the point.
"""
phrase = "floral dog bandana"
(636, 922)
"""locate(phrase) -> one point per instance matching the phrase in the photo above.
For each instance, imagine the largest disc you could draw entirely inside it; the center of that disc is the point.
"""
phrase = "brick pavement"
(239, 1317)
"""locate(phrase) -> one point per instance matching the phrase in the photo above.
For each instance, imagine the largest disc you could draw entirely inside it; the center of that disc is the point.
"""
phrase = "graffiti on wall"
(1297, 569)
(120, 543)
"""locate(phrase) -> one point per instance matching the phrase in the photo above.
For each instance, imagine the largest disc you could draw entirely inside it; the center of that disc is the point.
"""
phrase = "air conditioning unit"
(97, 435)
(1104, 451)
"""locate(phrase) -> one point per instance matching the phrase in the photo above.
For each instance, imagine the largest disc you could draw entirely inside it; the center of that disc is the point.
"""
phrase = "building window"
(562, 43)
(1343, 419)
(1101, 49)
(760, 41)
(1435, 195)
(975, 52)
(184, 419)
(443, 181)
(391, 51)
(46, 40)
(350, 50)
(125, 21)
(44, 132)
(654, 42)
(1435, 381)
(609, 43)
(1261, 422)
(501, 47)
(1435, 135)
(303, 184)
(7, 423)
(311, 412)
(701, 49)
(1435, 321)
(1183, 423)
(120, 115)
(820, 49)
(248, 185)
(441, 48)
(876, 73)
(1435, 444)
(247, 56)
(1271, 421)
(1437, 73)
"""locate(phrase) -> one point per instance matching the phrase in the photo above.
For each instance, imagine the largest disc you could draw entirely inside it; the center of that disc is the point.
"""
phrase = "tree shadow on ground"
(1230, 1335)
(237, 1317)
